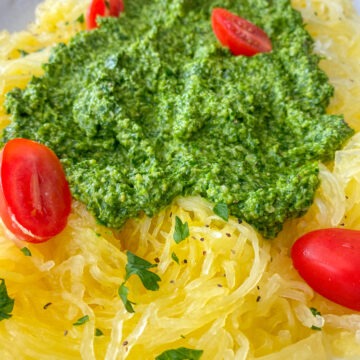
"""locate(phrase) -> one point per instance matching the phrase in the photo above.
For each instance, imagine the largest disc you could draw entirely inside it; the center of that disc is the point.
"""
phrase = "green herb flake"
(26, 251)
(221, 210)
(81, 19)
(180, 354)
(23, 53)
(123, 293)
(313, 327)
(138, 266)
(315, 312)
(81, 320)
(181, 231)
(6, 303)
(98, 332)
(174, 257)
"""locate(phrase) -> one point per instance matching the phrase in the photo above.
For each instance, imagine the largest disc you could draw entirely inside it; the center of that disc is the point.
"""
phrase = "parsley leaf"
(23, 52)
(26, 251)
(221, 210)
(174, 257)
(81, 19)
(138, 266)
(313, 327)
(315, 311)
(123, 293)
(180, 354)
(98, 332)
(6, 303)
(81, 320)
(181, 230)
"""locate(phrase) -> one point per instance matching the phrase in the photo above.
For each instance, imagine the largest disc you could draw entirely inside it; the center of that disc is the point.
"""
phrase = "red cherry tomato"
(328, 260)
(239, 35)
(35, 198)
(102, 8)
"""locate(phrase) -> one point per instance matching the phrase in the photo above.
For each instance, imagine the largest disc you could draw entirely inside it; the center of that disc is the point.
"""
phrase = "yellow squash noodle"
(223, 290)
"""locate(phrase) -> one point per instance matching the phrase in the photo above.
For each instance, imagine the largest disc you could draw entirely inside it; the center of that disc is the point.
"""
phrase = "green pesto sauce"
(150, 106)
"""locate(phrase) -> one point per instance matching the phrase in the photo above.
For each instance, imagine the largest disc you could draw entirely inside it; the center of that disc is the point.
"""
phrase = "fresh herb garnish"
(315, 312)
(81, 19)
(181, 231)
(180, 354)
(138, 266)
(6, 303)
(313, 327)
(221, 210)
(81, 320)
(123, 293)
(26, 251)
(23, 52)
(98, 332)
(175, 258)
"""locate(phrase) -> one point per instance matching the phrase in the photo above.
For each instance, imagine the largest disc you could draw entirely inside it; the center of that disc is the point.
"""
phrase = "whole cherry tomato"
(35, 198)
(328, 260)
(241, 36)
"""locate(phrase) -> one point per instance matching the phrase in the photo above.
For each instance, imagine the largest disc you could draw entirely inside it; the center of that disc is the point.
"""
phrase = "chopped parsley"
(140, 267)
(98, 332)
(181, 353)
(81, 19)
(26, 251)
(316, 314)
(23, 52)
(181, 231)
(222, 210)
(6, 303)
(82, 320)
(174, 257)
(123, 293)
(313, 327)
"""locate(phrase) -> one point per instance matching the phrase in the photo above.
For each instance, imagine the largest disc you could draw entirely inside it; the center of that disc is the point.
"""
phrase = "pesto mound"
(150, 106)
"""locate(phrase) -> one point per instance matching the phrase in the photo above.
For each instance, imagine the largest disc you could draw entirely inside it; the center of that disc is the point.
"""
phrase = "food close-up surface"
(180, 179)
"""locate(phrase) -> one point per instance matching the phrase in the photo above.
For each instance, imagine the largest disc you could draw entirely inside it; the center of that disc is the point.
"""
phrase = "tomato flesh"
(328, 260)
(102, 8)
(241, 36)
(35, 198)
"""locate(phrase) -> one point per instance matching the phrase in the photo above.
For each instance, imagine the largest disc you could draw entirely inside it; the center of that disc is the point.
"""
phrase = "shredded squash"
(223, 290)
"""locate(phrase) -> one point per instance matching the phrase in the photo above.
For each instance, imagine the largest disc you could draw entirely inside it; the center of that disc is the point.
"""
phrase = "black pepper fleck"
(47, 305)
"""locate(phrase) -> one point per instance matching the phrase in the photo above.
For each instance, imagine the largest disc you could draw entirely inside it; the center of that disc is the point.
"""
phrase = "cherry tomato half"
(328, 260)
(102, 8)
(239, 35)
(35, 198)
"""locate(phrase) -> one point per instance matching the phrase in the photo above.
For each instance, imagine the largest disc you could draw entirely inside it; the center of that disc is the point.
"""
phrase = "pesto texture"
(150, 106)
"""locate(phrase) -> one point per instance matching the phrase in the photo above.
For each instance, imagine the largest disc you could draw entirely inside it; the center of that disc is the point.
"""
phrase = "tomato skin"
(328, 260)
(35, 198)
(241, 36)
(102, 8)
